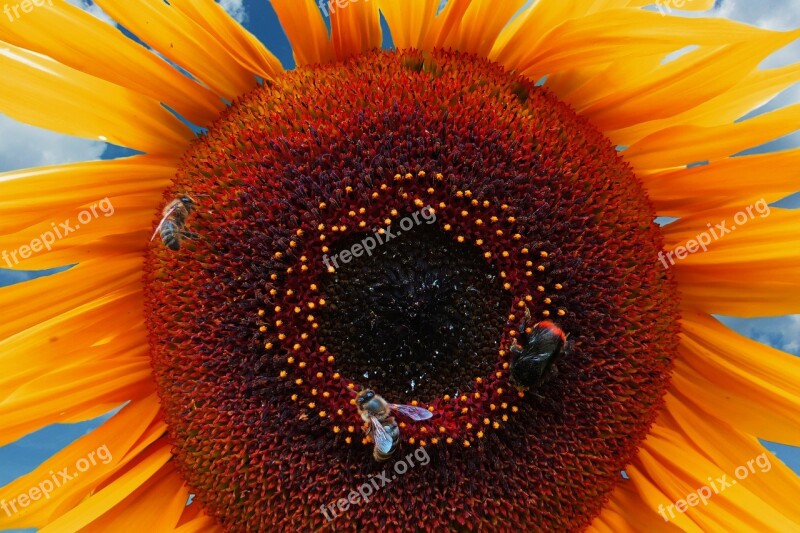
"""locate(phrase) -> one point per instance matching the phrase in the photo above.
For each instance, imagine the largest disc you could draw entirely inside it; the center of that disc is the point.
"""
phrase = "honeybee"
(533, 361)
(382, 426)
(173, 224)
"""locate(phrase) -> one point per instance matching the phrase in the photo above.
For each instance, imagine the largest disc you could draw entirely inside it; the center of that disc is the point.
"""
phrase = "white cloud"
(781, 332)
(771, 14)
(235, 9)
(26, 146)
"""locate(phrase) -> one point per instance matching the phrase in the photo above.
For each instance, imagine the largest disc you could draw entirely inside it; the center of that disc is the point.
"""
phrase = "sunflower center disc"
(264, 327)
(418, 318)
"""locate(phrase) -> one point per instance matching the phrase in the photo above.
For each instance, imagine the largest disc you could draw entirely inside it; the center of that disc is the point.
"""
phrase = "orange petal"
(147, 465)
(183, 41)
(683, 84)
(748, 385)
(89, 45)
(41, 299)
(40, 194)
(683, 145)
(306, 30)
(724, 182)
(248, 51)
(546, 42)
(80, 335)
(164, 491)
(39, 91)
(114, 444)
(479, 27)
(751, 91)
(409, 22)
(751, 271)
(355, 29)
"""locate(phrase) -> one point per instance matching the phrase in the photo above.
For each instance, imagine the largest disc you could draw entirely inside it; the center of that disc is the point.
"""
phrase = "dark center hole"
(418, 318)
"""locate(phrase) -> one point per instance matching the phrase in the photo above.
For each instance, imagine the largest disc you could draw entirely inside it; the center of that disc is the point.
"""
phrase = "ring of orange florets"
(288, 327)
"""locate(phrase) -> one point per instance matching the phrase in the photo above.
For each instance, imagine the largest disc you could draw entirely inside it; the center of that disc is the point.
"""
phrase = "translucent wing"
(414, 413)
(382, 439)
(170, 210)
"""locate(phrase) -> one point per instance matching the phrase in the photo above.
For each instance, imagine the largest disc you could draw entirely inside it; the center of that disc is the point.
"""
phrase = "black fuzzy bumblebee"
(535, 355)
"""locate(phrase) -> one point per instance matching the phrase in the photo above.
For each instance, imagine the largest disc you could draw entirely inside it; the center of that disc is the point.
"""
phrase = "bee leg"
(523, 325)
(190, 235)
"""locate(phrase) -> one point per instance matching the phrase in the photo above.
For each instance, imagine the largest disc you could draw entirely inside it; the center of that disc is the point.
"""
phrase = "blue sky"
(24, 146)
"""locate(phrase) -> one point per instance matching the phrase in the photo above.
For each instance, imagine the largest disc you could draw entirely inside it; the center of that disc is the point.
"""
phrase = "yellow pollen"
(262, 329)
(298, 381)
(302, 364)
(283, 373)
(268, 346)
(290, 360)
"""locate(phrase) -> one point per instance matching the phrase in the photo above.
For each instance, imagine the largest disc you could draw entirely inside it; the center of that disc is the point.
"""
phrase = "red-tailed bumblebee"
(535, 354)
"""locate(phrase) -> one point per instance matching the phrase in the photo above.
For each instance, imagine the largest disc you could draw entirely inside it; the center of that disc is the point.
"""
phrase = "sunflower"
(410, 221)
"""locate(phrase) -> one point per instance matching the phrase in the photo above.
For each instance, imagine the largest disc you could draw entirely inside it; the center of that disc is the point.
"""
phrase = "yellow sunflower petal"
(119, 438)
(409, 22)
(627, 512)
(741, 456)
(683, 84)
(683, 145)
(480, 25)
(88, 44)
(75, 393)
(181, 40)
(306, 30)
(113, 226)
(41, 299)
(147, 465)
(751, 386)
(78, 335)
(753, 90)
(678, 468)
(164, 491)
(241, 44)
(443, 25)
(38, 194)
(537, 47)
(194, 520)
(751, 266)
(44, 93)
(724, 182)
(355, 29)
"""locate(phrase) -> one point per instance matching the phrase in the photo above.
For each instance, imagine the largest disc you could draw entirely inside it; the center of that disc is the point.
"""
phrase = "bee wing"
(414, 413)
(164, 219)
(382, 439)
